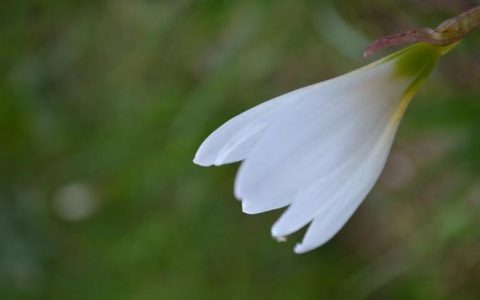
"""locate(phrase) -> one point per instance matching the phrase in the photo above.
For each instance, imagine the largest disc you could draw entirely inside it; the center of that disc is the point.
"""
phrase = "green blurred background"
(102, 107)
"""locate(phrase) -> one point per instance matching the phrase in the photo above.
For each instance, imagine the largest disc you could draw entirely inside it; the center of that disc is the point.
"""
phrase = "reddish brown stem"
(448, 32)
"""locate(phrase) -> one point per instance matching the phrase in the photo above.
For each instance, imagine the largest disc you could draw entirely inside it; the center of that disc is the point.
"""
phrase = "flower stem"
(448, 32)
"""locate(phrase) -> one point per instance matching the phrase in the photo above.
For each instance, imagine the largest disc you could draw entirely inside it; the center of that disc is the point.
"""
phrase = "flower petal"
(330, 214)
(233, 140)
(317, 136)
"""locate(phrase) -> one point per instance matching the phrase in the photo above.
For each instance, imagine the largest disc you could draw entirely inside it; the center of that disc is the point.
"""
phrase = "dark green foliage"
(108, 100)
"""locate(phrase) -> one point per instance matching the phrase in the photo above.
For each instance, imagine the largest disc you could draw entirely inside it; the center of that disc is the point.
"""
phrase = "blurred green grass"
(103, 104)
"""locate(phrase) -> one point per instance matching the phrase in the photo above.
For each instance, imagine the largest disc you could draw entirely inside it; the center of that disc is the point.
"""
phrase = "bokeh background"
(102, 107)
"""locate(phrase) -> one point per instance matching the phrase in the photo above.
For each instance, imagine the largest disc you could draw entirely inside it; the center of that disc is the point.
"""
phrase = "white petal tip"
(280, 239)
(277, 233)
(199, 163)
(201, 160)
(202, 164)
(280, 228)
(248, 208)
(300, 249)
(304, 247)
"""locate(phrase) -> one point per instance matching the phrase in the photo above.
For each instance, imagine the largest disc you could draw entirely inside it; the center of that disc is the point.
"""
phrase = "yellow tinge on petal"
(417, 62)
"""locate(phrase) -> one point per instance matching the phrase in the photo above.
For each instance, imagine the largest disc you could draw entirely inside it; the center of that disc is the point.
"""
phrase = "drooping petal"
(352, 179)
(233, 140)
(328, 222)
(330, 214)
(318, 137)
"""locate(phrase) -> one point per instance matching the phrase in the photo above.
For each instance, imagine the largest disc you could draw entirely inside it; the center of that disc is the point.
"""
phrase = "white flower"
(320, 149)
